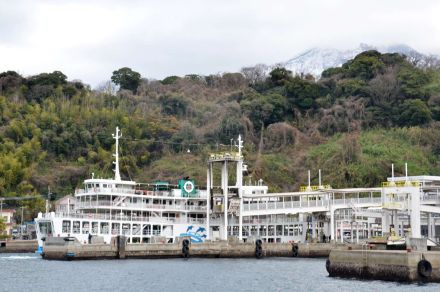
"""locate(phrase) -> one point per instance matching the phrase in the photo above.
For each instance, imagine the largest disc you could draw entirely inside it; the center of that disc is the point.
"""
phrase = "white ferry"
(111, 207)
(410, 206)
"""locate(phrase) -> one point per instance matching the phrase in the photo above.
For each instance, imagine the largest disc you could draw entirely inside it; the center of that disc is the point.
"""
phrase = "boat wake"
(18, 257)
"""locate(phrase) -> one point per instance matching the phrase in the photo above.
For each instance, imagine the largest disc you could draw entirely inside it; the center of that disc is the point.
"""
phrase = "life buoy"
(188, 186)
(424, 268)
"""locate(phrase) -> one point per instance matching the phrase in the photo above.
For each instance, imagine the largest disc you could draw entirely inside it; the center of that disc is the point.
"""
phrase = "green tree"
(264, 109)
(126, 78)
(302, 93)
(55, 78)
(10, 81)
(364, 66)
(279, 76)
(170, 80)
(414, 112)
(412, 82)
(2, 227)
(173, 105)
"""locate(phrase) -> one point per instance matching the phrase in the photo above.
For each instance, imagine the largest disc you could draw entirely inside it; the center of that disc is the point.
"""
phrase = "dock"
(389, 265)
(18, 246)
(69, 248)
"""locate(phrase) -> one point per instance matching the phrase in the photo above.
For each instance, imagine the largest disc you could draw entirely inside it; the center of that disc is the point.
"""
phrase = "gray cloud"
(89, 39)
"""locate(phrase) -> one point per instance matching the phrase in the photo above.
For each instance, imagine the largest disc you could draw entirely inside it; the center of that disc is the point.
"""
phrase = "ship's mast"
(239, 179)
(116, 155)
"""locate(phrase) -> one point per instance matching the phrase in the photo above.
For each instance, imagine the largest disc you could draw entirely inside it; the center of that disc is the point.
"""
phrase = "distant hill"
(374, 110)
(316, 60)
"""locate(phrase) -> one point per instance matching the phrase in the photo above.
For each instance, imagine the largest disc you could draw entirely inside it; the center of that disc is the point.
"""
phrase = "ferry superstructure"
(142, 212)
(405, 206)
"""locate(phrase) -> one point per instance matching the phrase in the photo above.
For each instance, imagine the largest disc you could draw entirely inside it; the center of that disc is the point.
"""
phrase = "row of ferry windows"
(104, 228)
(105, 186)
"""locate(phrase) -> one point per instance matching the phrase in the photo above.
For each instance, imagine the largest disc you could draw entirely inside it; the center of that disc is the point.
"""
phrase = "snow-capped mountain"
(316, 60)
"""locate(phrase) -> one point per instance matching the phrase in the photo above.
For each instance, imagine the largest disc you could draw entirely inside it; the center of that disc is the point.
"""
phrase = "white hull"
(80, 226)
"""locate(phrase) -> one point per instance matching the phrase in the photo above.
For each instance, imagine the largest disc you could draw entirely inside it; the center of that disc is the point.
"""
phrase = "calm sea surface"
(28, 272)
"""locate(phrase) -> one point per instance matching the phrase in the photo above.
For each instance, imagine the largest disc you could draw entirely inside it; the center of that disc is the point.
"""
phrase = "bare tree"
(107, 87)
(255, 74)
(384, 87)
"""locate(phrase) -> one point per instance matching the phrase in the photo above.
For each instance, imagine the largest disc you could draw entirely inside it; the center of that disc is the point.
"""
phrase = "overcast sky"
(89, 39)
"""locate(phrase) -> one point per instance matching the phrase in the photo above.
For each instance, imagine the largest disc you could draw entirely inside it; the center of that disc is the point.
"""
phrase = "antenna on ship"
(116, 155)
(407, 183)
(240, 145)
(392, 182)
(320, 182)
(309, 188)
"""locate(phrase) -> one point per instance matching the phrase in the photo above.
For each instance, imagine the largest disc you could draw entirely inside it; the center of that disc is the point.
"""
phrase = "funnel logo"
(198, 236)
(188, 186)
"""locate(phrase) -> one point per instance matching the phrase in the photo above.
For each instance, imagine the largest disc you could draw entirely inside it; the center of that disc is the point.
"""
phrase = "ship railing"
(262, 205)
(246, 221)
(388, 184)
(106, 190)
(430, 197)
(139, 206)
(201, 194)
(153, 220)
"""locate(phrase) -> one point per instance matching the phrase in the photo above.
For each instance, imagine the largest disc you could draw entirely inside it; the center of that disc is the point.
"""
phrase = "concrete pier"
(389, 265)
(18, 246)
(69, 248)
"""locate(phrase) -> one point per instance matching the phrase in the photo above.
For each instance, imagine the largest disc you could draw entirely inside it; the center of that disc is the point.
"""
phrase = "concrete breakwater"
(389, 265)
(18, 246)
(69, 249)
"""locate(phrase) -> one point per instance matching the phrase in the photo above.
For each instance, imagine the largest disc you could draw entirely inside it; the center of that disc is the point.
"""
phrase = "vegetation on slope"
(355, 121)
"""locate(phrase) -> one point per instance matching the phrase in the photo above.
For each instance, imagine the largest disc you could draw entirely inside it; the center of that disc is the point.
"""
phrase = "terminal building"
(402, 207)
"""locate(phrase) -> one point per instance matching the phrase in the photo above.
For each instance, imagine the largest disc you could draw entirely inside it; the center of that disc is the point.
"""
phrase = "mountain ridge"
(315, 60)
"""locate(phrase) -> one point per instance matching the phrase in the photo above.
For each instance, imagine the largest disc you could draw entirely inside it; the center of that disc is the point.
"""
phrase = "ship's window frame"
(85, 230)
(101, 227)
(66, 228)
(45, 227)
(95, 224)
(76, 230)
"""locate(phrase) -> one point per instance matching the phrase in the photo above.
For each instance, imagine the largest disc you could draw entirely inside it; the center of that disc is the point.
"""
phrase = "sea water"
(28, 272)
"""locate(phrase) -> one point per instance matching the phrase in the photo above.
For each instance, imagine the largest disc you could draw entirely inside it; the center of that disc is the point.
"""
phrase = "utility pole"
(21, 225)
(48, 198)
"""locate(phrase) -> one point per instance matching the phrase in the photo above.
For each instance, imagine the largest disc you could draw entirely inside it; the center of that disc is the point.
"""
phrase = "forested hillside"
(355, 121)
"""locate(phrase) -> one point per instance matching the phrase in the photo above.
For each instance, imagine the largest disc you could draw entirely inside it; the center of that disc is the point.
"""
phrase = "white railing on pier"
(432, 197)
(262, 205)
